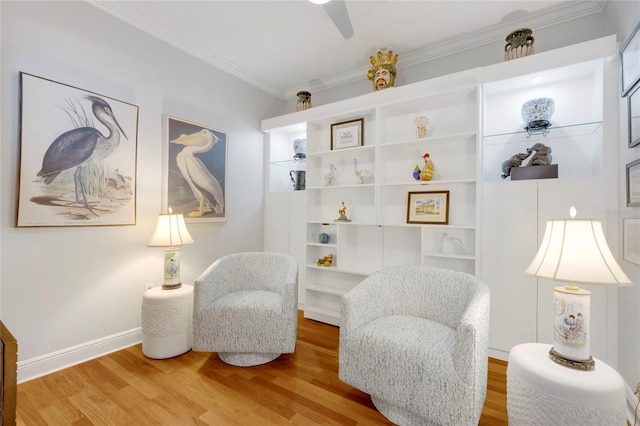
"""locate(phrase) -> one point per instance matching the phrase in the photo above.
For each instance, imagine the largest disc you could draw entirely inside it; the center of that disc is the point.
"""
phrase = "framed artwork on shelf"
(634, 115)
(428, 207)
(347, 134)
(77, 156)
(633, 184)
(631, 240)
(630, 61)
(196, 171)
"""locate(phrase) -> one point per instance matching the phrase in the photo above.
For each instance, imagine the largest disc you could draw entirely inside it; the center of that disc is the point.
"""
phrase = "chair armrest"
(211, 285)
(369, 300)
(472, 340)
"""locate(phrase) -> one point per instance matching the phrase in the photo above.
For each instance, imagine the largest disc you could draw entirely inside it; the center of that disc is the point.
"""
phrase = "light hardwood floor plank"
(127, 388)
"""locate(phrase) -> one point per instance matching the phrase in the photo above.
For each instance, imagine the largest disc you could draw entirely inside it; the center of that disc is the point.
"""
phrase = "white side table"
(166, 321)
(541, 392)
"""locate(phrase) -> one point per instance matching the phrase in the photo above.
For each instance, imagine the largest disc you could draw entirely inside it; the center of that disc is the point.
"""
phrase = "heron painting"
(78, 156)
(197, 171)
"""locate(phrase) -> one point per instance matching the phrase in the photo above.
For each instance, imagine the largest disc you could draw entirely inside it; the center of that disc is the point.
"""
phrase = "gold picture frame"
(428, 207)
(347, 134)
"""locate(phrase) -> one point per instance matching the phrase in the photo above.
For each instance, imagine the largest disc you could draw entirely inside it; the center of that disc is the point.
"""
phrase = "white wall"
(66, 289)
(622, 17)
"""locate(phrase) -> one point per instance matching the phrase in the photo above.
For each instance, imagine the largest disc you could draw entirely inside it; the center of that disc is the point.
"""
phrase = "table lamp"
(171, 232)
(574, 250)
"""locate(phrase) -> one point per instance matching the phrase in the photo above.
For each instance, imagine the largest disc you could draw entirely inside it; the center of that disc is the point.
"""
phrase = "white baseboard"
(45, 364)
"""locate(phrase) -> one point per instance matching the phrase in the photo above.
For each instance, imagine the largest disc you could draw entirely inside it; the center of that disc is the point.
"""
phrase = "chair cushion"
(250, 321)
(402, 355)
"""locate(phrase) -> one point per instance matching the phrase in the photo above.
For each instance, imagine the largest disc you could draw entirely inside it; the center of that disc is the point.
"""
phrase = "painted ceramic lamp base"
(571, 328)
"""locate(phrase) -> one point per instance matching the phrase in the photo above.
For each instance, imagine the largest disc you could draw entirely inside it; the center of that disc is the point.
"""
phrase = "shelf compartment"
(343, 160)
(577, 156)
(394, 198)
(448, 112)
(323, 204)
(455, 159)
(319, 131)
(451, 242)
(401, 245)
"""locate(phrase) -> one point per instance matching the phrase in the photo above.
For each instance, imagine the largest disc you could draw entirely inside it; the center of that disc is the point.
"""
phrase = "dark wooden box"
(534, 172)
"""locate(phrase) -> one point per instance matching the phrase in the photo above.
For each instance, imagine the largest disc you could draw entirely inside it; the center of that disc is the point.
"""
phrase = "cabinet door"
(509, 244)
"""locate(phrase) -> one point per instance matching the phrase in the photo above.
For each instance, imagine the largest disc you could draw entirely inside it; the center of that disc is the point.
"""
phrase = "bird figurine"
(330, 178)
(362, 174)
(416, 172)
(205, 187)
(75, 148)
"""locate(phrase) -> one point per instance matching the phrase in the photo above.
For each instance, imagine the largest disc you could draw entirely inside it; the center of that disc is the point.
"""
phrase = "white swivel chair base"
(246, 359)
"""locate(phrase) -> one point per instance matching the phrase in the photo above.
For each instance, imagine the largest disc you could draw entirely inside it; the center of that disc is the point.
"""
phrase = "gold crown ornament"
(383, 70)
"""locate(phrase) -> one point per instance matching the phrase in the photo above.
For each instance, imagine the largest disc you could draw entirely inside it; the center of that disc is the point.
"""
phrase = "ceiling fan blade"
(337, 11)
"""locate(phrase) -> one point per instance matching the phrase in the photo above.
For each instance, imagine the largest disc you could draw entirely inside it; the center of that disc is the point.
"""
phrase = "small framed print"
(347, 134)
(631, 240)
(634, 116)
(428, 207)
(633, 184)
(630, 61)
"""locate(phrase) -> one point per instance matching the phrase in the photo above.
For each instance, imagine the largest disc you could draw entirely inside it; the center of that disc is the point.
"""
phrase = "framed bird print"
(196, 174)
(77, 156)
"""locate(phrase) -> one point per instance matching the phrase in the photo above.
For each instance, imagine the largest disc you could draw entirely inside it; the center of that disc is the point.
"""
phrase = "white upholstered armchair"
(416, 339)
(246, 308)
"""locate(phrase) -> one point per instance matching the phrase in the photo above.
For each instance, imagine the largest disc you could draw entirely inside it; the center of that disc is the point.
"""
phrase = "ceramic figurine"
(304, 101)
(362, 174)
(330, 178)
(326, 260)
(343, 214)
(421, 126)
(519, 44)
(383, 70)
(416, 172)
(515, 161)
(542, 156)
(427, 169)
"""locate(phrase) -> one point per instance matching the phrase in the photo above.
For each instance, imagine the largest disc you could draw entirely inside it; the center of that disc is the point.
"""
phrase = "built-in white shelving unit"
(494, 224)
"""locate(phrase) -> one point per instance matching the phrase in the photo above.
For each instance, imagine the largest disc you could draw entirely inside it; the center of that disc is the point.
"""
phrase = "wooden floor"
(126, 388)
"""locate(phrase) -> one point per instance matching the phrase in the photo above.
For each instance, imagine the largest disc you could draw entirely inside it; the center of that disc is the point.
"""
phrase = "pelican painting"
(197, 171)
(78, 156)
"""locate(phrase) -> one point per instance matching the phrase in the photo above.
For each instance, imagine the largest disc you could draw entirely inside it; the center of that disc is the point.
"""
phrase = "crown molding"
(120, 10)
(556, 15)
(544, 18)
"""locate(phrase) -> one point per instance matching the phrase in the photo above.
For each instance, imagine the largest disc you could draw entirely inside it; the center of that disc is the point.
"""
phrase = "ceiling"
(286, 46)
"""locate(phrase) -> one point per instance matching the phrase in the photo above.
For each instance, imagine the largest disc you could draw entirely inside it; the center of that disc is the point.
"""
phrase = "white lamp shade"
(171, 231)
(576, 250)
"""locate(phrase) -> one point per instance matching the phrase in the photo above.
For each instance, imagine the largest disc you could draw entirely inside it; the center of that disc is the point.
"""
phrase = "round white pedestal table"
(541, 392)
(167, 321)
